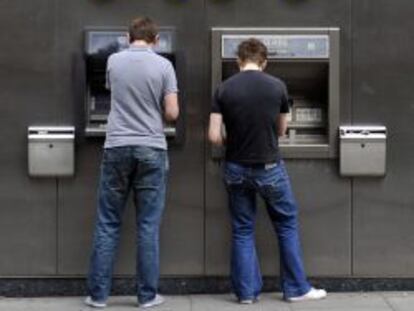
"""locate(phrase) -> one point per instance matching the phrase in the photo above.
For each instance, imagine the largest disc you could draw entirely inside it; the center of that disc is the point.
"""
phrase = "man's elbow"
(282, 131)
(171, 116)
(171, 107)
(215, 139)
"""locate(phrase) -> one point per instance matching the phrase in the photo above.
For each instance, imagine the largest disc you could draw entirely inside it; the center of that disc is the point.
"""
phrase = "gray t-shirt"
(139, 79)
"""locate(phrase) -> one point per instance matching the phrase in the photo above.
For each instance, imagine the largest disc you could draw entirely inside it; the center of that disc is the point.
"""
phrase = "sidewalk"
(390, 301)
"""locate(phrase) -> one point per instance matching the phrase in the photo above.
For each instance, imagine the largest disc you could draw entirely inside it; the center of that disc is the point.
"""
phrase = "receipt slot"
(51, 151)
(363, 150)
(99, 45)
(307, 60)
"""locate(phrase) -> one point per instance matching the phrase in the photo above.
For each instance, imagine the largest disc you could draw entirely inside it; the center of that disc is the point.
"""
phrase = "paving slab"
(400, 301)
(268, 302)
(173, 303)
(228, 303)
(353, 301)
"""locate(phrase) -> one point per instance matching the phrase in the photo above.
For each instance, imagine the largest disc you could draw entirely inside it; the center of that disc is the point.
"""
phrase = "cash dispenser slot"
(307, 60)
(99, 45)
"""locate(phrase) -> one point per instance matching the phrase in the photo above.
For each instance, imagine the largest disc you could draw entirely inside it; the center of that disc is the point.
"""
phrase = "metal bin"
(363, 150)
(51, 151)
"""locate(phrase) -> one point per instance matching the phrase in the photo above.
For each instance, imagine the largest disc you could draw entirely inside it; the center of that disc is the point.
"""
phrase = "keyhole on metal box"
(362, 145)
(51, 146)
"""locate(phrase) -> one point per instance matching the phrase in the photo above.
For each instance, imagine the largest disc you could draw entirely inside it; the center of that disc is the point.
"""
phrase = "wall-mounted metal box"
(363, 150)
(51, 151)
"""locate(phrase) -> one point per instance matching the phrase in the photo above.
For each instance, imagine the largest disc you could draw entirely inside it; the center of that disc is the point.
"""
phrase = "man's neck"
(141, 44)
(251, 66)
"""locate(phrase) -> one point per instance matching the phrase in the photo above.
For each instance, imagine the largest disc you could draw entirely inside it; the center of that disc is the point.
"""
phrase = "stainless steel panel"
(307, 59)
(76, 218)
(383, 64)
(51, 151)
(182, 246)
(27, 96)
(324, 198)
(362, 150)
(325, 221)
(100, 43)
(280, 46)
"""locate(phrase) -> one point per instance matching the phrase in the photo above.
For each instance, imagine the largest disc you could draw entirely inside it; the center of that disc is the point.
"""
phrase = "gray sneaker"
(249, 301)
(158, 299)
(95, 304)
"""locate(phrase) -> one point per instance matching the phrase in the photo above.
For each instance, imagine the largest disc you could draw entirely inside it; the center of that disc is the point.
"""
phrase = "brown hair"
(252, 50)
(143, 28)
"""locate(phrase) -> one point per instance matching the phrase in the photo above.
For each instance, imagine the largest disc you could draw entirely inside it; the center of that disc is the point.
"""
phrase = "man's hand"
(171, 108)
(215, 133)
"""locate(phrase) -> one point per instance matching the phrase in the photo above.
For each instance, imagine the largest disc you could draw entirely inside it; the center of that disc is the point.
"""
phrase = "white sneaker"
(90, 302)
(158, 299)
(312, 294)
(249, 301)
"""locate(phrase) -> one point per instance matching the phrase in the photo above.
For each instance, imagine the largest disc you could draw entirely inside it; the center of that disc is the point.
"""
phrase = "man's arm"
(171, 107)
(215, 134)
(282, 123)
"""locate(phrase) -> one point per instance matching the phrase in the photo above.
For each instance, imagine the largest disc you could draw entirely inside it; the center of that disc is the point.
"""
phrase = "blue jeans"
(272, 183)
(144, 170)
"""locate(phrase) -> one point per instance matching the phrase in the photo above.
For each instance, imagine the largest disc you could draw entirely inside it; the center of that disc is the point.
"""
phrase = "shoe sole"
(144, 306)
(92, 304)
(304, 299)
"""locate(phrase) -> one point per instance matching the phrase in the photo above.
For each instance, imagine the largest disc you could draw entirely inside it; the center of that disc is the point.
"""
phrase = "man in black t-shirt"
(252, 106)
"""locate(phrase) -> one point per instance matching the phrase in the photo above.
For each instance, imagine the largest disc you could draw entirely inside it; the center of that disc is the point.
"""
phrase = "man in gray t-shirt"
(143, 93)
(139, 80)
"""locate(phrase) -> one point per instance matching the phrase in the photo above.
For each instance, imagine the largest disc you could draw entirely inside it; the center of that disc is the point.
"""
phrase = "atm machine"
(99, 45)
(307, 59)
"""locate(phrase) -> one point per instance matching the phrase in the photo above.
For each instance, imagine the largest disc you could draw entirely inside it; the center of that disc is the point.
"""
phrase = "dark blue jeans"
(144, 170)
(272, 183)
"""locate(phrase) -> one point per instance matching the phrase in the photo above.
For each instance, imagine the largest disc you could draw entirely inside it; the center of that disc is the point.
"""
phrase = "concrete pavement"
(389, 301)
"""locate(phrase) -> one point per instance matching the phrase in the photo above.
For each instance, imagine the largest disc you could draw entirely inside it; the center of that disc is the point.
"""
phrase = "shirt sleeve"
(286, 101)
(170, 80)
(216, 105)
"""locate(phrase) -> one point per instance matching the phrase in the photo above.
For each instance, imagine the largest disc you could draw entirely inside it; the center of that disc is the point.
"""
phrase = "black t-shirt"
(250, 103)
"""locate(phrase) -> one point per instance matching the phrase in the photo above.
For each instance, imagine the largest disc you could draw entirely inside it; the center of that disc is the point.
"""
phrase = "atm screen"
(99, 46)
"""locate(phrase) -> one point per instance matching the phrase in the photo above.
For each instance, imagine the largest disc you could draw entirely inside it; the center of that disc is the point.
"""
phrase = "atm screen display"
(106, 42)
(99, 46)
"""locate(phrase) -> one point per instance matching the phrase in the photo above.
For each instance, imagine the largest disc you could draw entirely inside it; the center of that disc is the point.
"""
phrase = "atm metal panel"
(182, 244)
(296, 49)
(27, 97)
(324, 199)
(383, 94)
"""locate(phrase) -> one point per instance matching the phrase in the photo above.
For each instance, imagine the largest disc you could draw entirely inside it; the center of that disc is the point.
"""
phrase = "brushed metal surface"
(182, 250)
(324, 197)
(383, 94)
(27, 96)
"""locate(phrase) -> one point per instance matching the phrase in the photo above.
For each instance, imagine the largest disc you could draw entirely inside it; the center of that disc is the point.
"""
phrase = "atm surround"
(99, 45)
(307, 59)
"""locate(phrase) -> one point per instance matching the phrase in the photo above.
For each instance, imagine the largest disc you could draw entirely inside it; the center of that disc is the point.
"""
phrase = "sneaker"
(158, 299)
(95, 304)
(312, 294)
(248, 301)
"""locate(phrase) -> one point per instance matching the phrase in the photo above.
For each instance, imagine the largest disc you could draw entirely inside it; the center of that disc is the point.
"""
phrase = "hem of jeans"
(297, 293)
(253, 298)
(248, 297)
(141, 301)
(100, 301)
